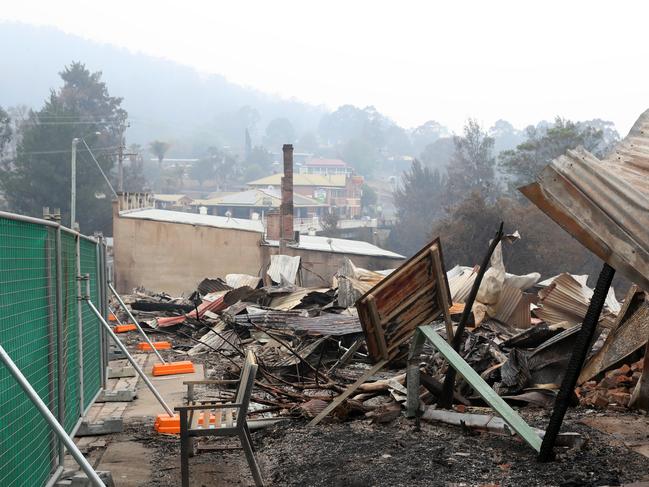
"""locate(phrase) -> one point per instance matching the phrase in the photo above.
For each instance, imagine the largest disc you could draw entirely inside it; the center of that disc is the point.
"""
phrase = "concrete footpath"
(129, 461)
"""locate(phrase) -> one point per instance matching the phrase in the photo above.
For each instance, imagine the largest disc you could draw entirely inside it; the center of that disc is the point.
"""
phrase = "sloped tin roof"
(604, 203)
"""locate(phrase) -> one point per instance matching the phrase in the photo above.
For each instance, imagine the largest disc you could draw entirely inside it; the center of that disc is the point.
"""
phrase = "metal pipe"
(134, 321)
(27, 219)
(135, 365)
(39, 221)
(60, 337)
(73, 183)
(102, 308)
(79, 324)
(51, 338)
(55, 477)
(49, 417)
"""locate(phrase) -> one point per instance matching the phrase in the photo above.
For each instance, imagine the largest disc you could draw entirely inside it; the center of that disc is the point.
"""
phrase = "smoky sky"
(414, 61)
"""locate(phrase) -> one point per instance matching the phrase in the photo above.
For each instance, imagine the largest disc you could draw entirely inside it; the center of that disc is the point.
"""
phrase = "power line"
(99, 167)
(68, 151)
(78, 122)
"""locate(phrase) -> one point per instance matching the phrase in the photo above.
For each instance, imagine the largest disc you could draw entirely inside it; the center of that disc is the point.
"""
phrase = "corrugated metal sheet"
(290, 301)
(509, 300)
(284, 266)
(218, 340)
(566, 299)
(460, 282)
(235, 281)
(207, 286)
(603, 203)
(325, 324)
(286, 358)
(212, 302)
(339, 246)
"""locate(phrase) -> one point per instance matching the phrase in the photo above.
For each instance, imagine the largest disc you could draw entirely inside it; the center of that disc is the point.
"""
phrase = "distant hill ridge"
(180, 102)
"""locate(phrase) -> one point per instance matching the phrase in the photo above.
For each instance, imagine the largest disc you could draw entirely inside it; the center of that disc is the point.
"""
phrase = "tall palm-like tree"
(159, 149)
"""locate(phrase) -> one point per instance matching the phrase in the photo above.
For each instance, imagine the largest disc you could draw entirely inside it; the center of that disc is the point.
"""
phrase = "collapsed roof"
(603, 203)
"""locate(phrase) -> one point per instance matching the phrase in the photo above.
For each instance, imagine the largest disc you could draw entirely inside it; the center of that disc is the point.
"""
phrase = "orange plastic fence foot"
(201, 419)
(167, 424)
(124, 328)
(112, 317)
(145, 347)
(170, 368)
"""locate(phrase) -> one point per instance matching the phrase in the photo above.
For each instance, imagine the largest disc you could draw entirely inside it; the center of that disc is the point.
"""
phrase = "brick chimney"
(273, 225)
(286, 208)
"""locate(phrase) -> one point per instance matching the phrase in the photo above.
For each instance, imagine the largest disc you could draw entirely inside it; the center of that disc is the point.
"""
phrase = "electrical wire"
(100, 169)
(67, 151)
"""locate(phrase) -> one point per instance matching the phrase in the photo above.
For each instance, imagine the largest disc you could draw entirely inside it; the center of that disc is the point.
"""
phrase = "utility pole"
(73, 179)
(120, 160)
(120, 166)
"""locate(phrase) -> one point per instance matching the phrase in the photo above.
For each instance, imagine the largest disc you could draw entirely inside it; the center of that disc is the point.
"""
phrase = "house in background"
(341, 192)
(168, 201)
(246, 204)
(326, 167)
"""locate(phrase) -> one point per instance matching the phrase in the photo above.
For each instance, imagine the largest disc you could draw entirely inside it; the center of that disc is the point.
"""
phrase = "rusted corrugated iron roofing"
(208, 285)
(603, 203)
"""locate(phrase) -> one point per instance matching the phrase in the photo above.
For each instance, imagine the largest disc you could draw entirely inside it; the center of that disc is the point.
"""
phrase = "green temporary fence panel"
(91, 325)
(70, 330)
(29, 332)
(27, 310)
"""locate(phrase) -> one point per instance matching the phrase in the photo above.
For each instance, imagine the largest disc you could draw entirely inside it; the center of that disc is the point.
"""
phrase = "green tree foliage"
(363, 137)
(544, 247)
(260, 158)
(279, 132)
(159, 149)
(308, 142)
(505, 136)
(217, 165)
(369, 198)
(438, 154)
(5, 130)
(40, 173)
(418, 201)
(329, 222)
(542, 145)
(361, 155)
(427, 134)
(472, 164)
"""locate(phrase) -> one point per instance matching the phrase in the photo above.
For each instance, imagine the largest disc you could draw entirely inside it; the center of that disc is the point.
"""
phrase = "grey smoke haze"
(414, 61)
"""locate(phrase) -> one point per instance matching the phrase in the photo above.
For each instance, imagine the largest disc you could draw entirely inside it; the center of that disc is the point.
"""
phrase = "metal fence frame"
(73, 379)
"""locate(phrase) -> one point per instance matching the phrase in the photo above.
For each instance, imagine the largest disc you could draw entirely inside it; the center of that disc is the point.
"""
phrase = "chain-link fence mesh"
(29, 333)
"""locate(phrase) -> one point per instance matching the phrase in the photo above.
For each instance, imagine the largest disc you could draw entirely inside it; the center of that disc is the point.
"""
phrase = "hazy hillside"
(163, 98)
